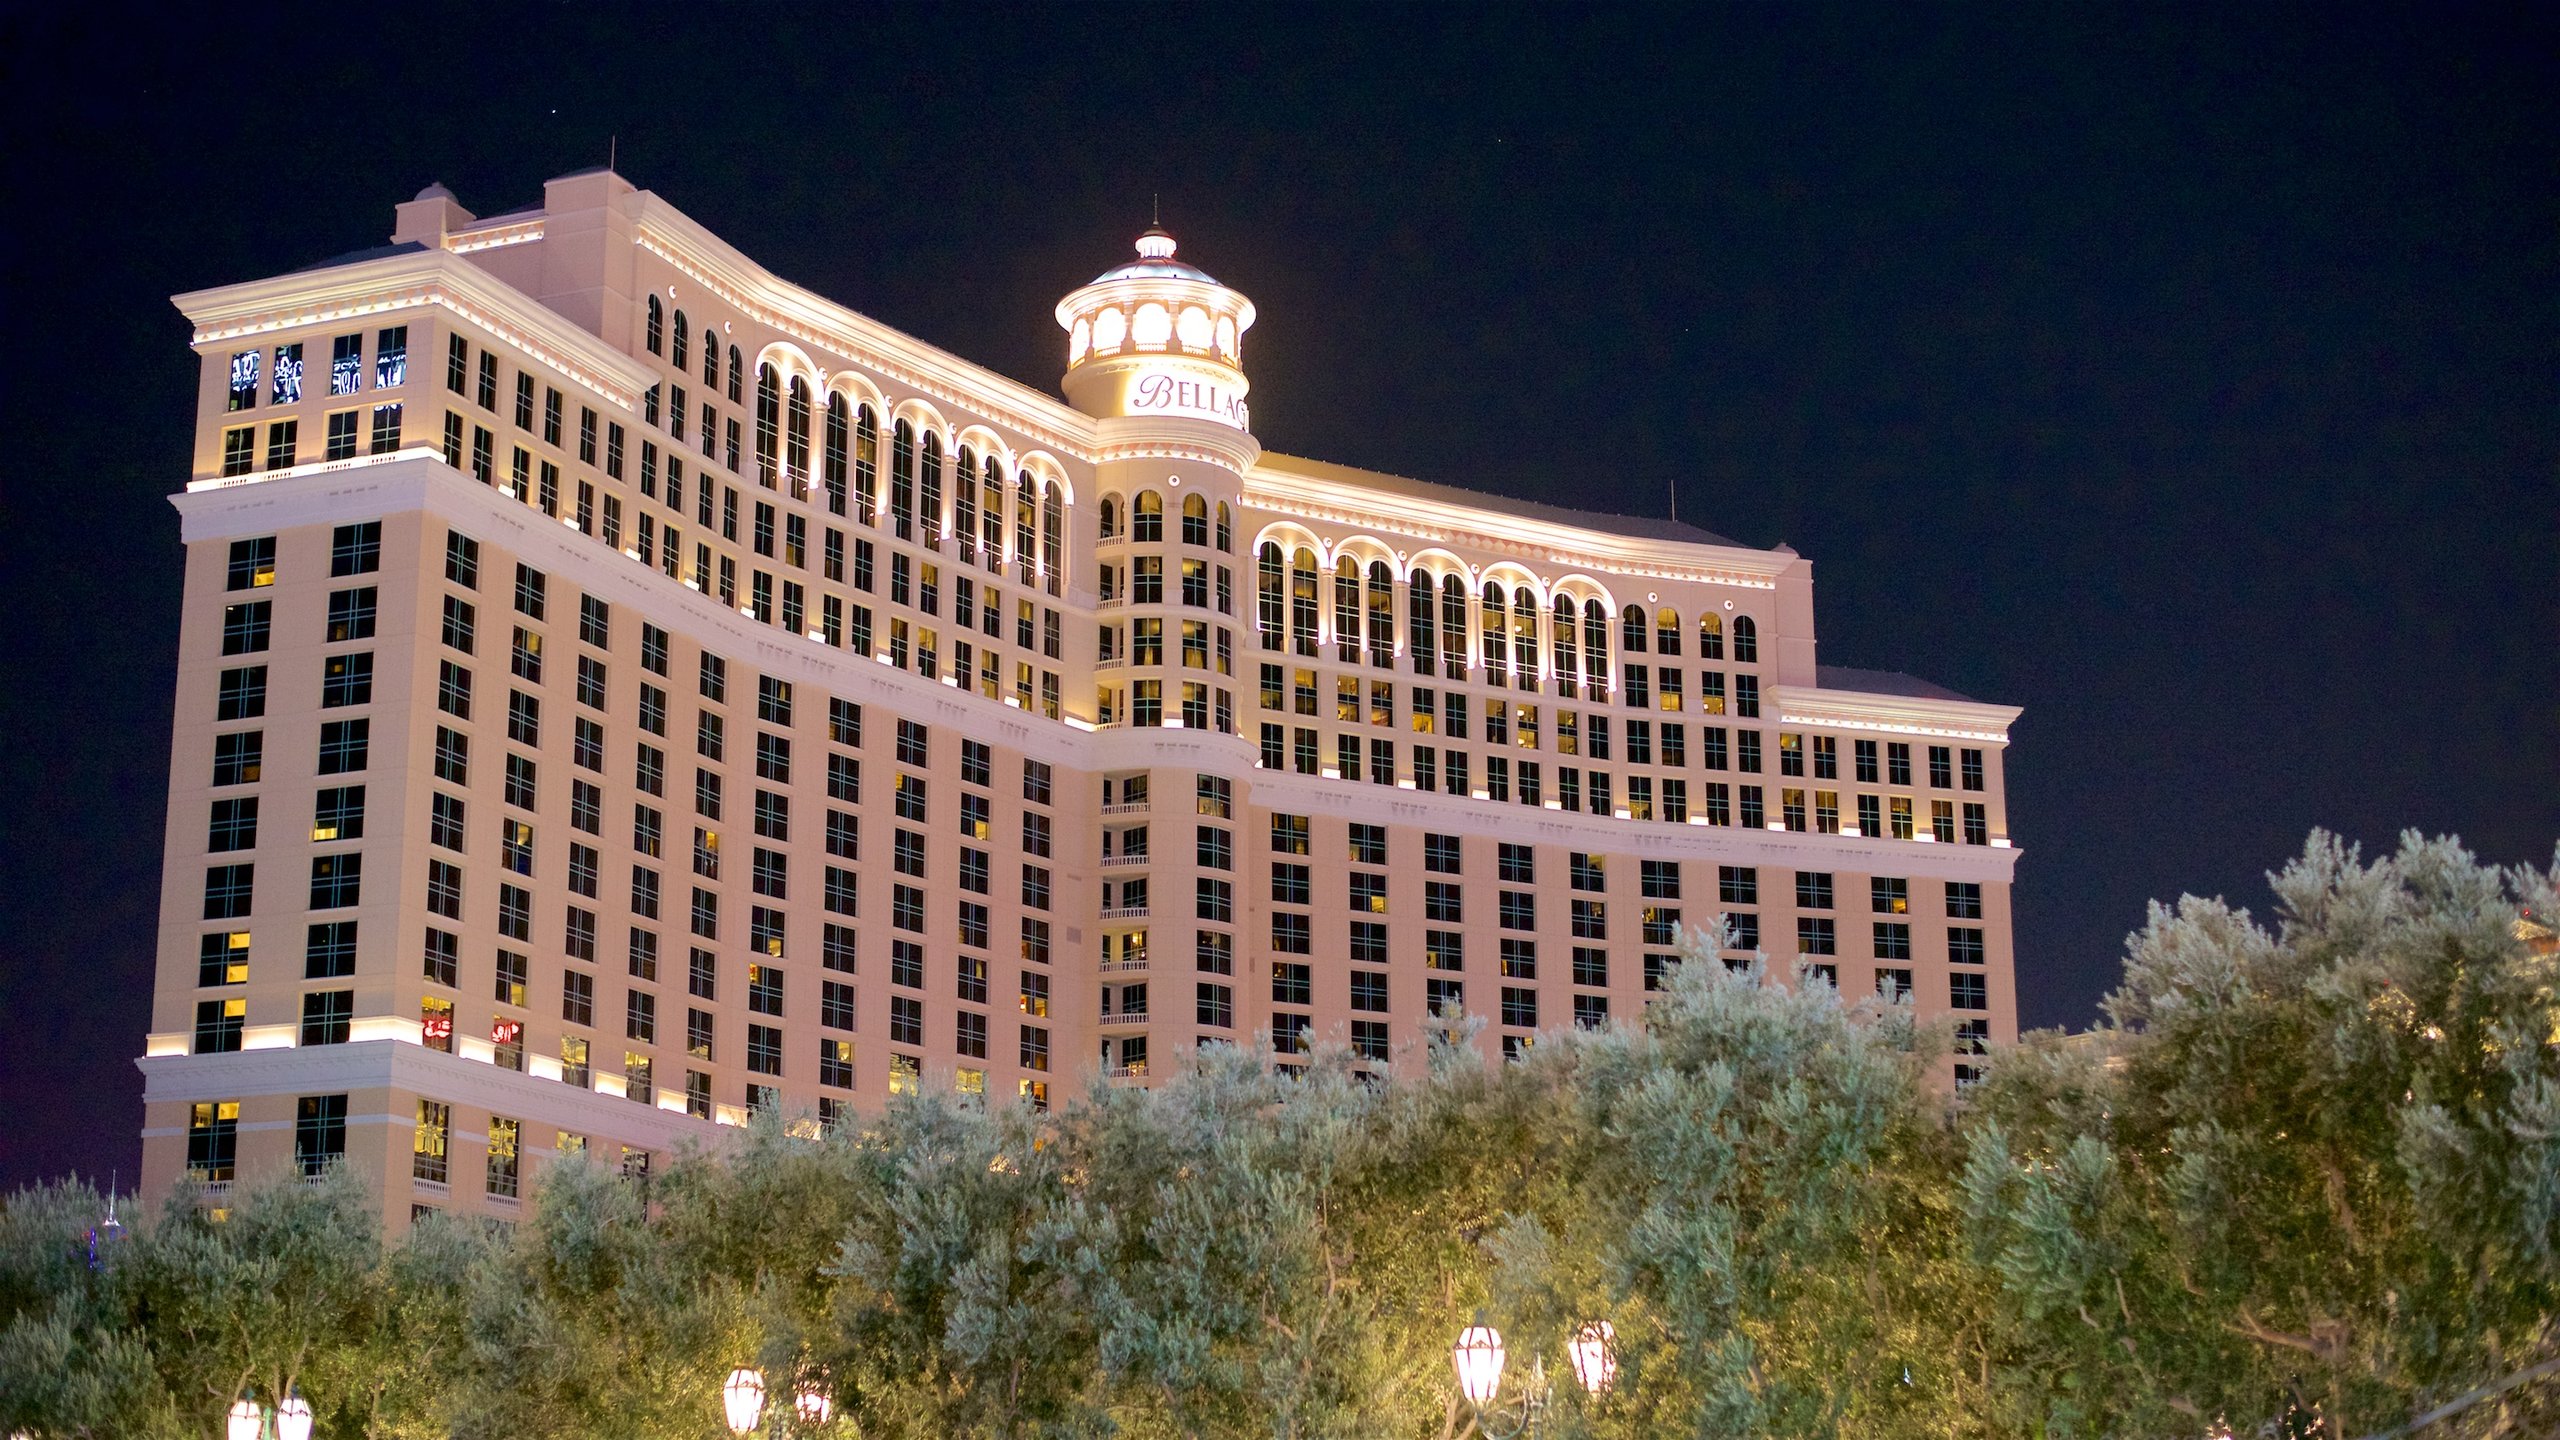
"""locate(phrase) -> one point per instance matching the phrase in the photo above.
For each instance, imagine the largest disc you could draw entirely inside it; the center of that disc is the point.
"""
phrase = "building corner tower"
(1154, 354)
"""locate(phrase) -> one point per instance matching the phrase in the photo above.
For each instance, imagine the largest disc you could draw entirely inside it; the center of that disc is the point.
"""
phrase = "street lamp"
(1595, 1356)
(812, 1403)
(743, 1397)
(288, 1420)
(1478, 1358)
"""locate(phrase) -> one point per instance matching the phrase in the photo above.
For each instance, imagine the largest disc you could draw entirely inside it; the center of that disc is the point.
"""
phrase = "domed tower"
(1157, 338)
(1154, 353)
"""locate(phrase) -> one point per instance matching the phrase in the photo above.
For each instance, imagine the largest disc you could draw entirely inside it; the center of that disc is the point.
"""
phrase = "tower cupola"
(1157, 337)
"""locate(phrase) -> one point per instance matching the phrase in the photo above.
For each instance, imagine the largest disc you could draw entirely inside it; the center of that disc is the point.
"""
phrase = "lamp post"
(1478, 1358)
(743, 1400)
(288, 1419)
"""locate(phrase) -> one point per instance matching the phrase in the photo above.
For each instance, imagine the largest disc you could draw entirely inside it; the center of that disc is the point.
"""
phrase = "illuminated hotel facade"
(619, 690)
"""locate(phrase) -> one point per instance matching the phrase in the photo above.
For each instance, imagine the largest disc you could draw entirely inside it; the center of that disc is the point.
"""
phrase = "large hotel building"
(620, 690)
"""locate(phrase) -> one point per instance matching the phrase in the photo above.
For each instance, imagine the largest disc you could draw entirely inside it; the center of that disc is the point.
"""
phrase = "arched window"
(866, 466)
(1746, 641)
(1226, 530)
(768, 422)
(902, 480)
(1053, 534)
(1422, 627)
(1524, 636)
(929, 489)
(1302, 602)
(655, 329)
(1026, 526)
(1195, 520)
(1453, 628)
(1631, 630)
(1146, 526)
(1710, 637)
(1666, 631)
(1491, 625)
(1595, 647)
(682, 355)
(1382, 614)
(795, 436)
(1346, 609)
(1268, 615)
(964, 505)
(1568, 649)
(991, 513)
(838, 444)
(710, 358)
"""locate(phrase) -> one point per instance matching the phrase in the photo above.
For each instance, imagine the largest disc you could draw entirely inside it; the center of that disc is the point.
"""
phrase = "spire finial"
(1155, 208)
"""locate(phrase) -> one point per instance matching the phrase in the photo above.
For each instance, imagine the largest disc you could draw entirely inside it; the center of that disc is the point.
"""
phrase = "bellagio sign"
(1164, 393)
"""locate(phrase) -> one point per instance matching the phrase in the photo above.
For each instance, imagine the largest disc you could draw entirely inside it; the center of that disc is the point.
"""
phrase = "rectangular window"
(218, 1026)
(319, 1132)
(356, 549)
(1968, 990)
(329, 952)
(213, 1141)
(347, 679)
(505, 1175)
(327, 1016)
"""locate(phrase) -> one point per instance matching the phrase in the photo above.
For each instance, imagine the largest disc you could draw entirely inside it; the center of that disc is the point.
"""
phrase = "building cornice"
(675, 237)
(1615, 835)
(1906, 714)
(376, 289)
(400, 1065)
(1274, 487)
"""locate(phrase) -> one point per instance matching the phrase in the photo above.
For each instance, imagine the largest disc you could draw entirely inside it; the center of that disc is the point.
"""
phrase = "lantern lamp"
(743, 1398)
(293, 1417)
(1595, 1356)
(1478, 1358)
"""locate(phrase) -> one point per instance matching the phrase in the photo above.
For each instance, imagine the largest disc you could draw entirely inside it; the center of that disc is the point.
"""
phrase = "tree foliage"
(2313, 1163)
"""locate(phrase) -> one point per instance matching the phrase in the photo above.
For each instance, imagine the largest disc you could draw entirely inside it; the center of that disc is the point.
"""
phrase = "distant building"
(619, 690)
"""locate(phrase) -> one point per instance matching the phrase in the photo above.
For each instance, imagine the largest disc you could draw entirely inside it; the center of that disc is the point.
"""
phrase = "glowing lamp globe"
(1478, 1358)
(1595, 1356)
(812, 1403)
(293, 1418)
(243, 1420)
(743, 1398)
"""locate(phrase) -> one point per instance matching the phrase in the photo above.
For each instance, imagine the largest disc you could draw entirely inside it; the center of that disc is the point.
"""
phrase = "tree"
(2325, 1155)
(1748, 1189)
(71, 1363)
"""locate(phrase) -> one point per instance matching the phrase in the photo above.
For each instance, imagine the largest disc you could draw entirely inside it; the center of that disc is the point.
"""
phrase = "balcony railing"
(1123, 862)
(1126, 912)
(1125, 1018)
(1133, 807)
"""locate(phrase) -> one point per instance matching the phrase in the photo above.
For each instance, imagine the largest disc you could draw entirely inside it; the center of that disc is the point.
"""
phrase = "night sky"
(2184, 375)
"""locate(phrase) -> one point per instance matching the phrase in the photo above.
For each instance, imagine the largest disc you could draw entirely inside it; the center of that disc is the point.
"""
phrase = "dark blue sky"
(2183, 374)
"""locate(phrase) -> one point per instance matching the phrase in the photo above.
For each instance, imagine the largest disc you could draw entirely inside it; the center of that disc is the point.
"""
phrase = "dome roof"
(1155, 262)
